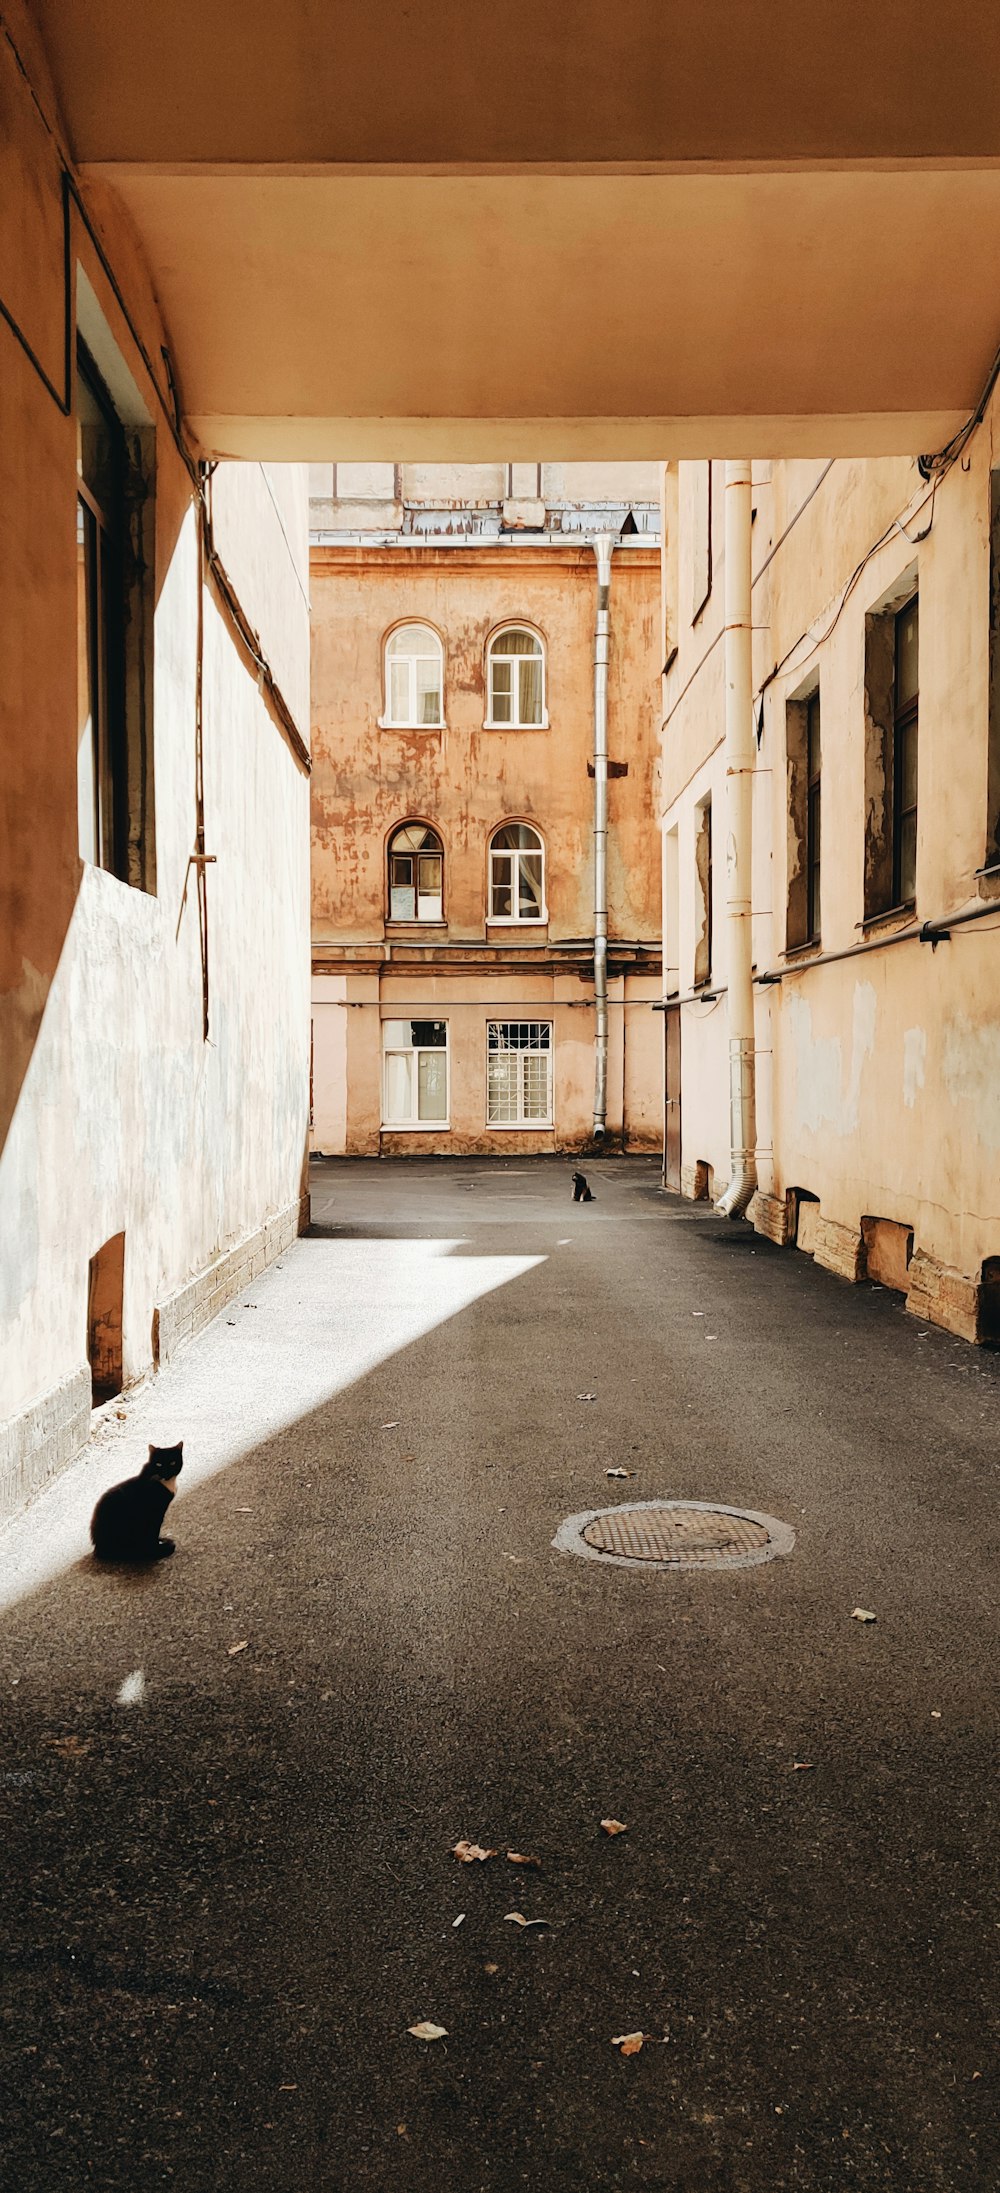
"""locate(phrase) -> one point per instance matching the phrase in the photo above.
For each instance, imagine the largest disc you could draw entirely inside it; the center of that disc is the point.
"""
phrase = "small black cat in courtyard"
(125, 1525)
(581, 1192)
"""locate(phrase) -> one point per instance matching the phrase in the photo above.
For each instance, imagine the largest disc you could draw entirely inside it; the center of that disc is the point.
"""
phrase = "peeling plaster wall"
(116, 1114)
(880, 1073)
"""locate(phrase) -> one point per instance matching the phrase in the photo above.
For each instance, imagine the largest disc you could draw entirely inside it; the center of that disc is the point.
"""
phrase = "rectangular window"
(892, 635)
(904, 755)
(114, 618)
(703, 882)
(804, 753)
(415, 1073)
(519, 1073)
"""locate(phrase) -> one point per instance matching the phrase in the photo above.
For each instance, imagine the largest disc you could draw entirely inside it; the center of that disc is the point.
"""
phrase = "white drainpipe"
(740, 755)
(603, 548)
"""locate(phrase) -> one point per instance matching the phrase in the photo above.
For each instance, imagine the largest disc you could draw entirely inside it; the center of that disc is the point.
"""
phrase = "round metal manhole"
(675, 1534)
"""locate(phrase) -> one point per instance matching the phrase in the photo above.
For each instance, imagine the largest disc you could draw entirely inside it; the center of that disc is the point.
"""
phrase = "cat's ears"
(177, 1447)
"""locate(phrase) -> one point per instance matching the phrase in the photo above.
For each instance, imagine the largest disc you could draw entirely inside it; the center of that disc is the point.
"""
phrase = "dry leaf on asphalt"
(586, 1397)
(425, 2031)
(241, 1647)
(629, 2044)
(803, 1766)
(619, 1473)
(520, 1920)
(466, 1853)
(863, 1614)
(71, 1747)
(615, 1827)
(521, 1858)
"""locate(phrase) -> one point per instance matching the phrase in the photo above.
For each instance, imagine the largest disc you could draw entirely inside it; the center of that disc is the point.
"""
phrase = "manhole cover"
(675, 1534)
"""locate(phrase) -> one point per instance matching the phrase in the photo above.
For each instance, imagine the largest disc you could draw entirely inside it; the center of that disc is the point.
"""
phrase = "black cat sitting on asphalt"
(125, 1525)
(581, 1192)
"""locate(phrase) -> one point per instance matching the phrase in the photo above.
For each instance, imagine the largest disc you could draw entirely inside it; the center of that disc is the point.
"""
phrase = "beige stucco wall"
(465, 780)
(116, 1115)
(878, 1074)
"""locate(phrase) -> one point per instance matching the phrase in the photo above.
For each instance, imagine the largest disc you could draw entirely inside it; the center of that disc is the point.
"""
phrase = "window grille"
(519, 1073)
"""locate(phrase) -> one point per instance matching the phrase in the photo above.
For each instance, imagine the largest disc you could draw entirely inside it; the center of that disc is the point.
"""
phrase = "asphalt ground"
(226, 1902)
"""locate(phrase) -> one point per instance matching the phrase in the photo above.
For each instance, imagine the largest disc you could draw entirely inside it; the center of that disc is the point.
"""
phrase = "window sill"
(511, 921)
(889, 917)
(385, 725)
(806, 950)
(520, 1126)
(414, 928)
(415, 1127)
(489, 725)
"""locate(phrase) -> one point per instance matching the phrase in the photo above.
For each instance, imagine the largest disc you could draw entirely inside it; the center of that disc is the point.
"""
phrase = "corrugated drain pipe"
(740, 757)
(603, 548)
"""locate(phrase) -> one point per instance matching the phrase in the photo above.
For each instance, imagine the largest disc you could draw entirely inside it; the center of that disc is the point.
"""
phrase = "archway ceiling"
(450, 229)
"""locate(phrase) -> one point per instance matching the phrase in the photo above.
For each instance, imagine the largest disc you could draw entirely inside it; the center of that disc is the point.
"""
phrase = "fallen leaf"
(628, 2043)
(619, 1473)
(71, 1747)
(491, 1968)
(863, 1614)
(394, 1426)
(521, 1858)
(520, 1920)
(803, 1766)
(288, 2089)
(586, 1397)
(425, 2031)
(466, 1853)
(615, 1827)
(935, 1716)
(241, 1647)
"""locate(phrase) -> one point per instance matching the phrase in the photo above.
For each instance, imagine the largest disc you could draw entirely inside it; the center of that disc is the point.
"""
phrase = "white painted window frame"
(411, 721)
(515, 854)
(413, 1050)
(495, 654)
(521, 1125)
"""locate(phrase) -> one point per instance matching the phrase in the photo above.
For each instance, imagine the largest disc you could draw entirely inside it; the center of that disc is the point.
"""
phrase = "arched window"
(416, 874)
(516, 678)
(414, 666)
(517, 874)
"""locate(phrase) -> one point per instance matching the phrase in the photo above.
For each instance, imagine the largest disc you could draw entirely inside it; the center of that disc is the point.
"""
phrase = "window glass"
(415, 1079)
(517, 874)
(516, 677)
(414, 664)
(416, 874)
(907, 638)
(519, 1073)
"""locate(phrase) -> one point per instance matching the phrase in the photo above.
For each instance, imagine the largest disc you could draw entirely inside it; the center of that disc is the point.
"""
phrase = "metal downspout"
(603, 548)
(740, 756)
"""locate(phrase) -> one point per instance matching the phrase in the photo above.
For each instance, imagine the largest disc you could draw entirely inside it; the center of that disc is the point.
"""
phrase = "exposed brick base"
(34, 1445)
(183, 1314)
(839, 1249)
(945, 1297)
(769, 1215)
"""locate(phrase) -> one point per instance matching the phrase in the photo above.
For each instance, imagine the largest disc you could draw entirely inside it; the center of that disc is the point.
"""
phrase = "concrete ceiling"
(464, 228)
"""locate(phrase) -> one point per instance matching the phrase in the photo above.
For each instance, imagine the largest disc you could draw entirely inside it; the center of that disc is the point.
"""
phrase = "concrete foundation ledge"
(944, 1296)
(42, 1439)
(182, 1314)
(768, 1215)
(839, 1249)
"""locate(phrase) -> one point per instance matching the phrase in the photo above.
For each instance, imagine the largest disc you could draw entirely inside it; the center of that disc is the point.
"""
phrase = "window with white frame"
(517, 874)
(516, 666)
(414, 667)
(416, 874)
(519, 1073)
(414, 1073)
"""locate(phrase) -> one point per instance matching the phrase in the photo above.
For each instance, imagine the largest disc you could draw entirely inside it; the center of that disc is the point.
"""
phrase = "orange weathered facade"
(453, 961)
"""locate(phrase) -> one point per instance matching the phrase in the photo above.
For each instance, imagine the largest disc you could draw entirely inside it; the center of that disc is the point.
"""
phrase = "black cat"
(581, 1192)
(125, 1525)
